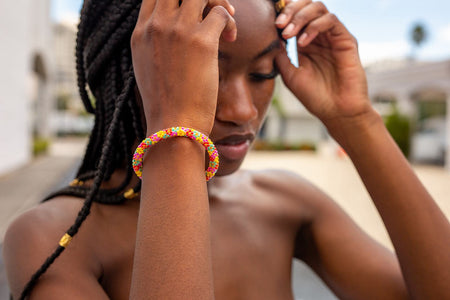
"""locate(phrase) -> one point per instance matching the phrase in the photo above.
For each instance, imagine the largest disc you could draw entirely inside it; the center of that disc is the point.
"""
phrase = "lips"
(234, 147)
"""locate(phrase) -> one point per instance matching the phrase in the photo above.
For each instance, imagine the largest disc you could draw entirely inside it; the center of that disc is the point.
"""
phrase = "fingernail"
(281, 19)
(302, 38)
(233, 10)
(288, 30)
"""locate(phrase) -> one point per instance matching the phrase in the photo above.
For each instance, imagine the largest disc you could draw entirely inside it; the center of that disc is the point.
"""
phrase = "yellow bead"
(65, 240)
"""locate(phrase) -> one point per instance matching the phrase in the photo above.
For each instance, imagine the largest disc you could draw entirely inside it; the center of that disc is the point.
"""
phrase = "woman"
(210, 66)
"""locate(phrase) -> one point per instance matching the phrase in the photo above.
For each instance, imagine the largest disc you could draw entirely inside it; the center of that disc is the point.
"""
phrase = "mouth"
(234, 147)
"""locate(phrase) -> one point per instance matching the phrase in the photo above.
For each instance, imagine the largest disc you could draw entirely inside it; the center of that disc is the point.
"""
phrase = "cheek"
(262, 96)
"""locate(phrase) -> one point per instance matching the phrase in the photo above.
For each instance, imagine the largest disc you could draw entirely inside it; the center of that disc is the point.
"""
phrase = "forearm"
(172, 257)
(418, 229)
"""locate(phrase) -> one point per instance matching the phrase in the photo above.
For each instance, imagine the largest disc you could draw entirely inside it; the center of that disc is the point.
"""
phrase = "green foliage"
(262, 145)
(399, 126)
(419, 34)
(276, 104)
(62, 101)
(40, 145)
(429, 109)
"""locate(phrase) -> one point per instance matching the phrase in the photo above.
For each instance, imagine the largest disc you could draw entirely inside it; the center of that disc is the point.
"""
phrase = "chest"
(251, 256)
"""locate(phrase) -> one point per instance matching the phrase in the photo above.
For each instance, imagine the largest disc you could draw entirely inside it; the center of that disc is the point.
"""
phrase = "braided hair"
(106, 85)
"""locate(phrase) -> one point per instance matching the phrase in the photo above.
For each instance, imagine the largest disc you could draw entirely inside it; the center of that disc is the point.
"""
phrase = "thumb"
(219, 22)
(286, 68)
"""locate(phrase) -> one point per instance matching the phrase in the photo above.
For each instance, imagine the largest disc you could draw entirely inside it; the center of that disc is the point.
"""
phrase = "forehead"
(255, 21)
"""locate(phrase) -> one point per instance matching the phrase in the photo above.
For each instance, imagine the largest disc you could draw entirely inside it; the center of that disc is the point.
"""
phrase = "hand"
(174, 51)
(330, 81)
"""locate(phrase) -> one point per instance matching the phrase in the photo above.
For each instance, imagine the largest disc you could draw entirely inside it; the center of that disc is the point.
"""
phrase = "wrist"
(350, 130)
(173, 132)
(154, 126)
(175, 155)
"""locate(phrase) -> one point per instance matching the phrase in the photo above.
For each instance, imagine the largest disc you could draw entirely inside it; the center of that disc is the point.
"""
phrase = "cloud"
(444, 33)
(383, 4)
(375, 51)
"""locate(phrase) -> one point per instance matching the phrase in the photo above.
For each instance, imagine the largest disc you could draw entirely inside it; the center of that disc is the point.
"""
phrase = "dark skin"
(235, 237)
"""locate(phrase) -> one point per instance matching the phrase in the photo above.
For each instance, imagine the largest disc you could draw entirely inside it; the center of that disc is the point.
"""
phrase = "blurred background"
(404, 46)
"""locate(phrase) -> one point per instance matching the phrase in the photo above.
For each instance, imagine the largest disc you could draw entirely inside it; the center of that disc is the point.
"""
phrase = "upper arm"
(28, 242)
(352, 264)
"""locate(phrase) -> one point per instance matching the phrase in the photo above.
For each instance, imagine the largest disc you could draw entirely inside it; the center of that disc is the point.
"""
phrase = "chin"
(228, 167)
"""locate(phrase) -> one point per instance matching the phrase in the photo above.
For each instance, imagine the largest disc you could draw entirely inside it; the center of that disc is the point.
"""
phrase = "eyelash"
(259, 77)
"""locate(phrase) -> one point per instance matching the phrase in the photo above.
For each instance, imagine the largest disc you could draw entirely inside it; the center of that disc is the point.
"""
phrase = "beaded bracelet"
(172, 132)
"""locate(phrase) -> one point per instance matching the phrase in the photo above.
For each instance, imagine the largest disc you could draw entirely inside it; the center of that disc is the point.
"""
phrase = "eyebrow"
(276, 44)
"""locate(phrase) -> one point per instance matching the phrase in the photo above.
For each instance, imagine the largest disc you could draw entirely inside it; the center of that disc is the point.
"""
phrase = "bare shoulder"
(34, 236)
(295, 195)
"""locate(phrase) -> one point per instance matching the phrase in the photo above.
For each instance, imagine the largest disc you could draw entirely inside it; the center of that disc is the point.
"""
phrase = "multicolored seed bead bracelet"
(173, 132)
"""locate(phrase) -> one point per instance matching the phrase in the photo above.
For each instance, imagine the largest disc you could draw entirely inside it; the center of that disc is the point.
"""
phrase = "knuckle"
(305, 2)
(178, 30)
(136, 36)
(299, 18)
(333, 18)
(154, 26)
(220, 11)
(288, 10)
(312, 28)
(320, 6)
(202, 43)
(218, 2)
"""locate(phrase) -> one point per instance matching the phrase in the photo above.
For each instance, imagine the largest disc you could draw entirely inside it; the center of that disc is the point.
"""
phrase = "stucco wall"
(24, 31)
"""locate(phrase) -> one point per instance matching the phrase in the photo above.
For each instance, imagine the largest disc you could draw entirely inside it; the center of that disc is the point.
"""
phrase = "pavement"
(336, 176)
(25, 187)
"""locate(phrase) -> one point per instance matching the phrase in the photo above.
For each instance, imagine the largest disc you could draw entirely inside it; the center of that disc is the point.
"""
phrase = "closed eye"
(264, 76)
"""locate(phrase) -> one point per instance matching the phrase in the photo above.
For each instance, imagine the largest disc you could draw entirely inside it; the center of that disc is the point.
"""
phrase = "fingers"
(306, 19)
(165, 5)
(219, 22)
(194, 10)
(289, 11)
(200, 8)
(146, 11)
(299, 19)
(285, 67)
(322, 24)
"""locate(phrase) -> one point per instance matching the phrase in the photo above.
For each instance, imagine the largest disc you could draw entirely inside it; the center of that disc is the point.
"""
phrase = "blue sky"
(381, 26)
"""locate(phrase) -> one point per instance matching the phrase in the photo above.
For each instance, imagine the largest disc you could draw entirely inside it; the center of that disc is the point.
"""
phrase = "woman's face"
(246, 72)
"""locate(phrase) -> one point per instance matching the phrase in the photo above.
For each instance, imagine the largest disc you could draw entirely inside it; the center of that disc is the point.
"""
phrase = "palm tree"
(419, 35)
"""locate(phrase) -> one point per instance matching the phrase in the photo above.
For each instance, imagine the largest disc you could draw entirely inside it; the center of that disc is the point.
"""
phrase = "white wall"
(23, 31)
(14, 65)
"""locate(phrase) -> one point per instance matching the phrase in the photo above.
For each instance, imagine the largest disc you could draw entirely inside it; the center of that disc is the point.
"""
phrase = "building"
(65, 34)
(289, 122)
(25, 78)
(69, 117)
(410, 84)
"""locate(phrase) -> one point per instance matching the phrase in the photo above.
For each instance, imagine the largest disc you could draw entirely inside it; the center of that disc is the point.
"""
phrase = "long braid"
(122, 34)
(100, 147)
(134, 109)
(85, 22)
(87, 19)
(85, 210)
(103, 61)
(110, 109)
(111, 19)
(119, 40)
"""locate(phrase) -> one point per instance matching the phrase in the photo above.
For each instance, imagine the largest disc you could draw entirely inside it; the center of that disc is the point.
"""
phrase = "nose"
(235, 101)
